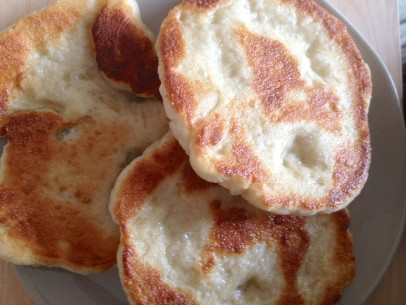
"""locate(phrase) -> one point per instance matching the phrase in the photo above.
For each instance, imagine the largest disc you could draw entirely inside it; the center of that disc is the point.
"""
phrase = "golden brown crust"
(145, 284)
(124, 53)
(172, 48)
(30, 33)
(65, 150)
(57, 231)
(146, 177)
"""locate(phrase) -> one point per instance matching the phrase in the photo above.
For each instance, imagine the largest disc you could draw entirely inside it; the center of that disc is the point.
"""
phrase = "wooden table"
(377, 20)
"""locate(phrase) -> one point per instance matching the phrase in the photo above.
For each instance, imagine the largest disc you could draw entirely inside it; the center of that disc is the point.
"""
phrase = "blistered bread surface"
(269, 98)
(187, 241)
(69, 132)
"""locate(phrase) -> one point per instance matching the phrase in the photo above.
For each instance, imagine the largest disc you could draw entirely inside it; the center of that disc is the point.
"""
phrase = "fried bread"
(69, 132)
(187, 241)
(269, 98)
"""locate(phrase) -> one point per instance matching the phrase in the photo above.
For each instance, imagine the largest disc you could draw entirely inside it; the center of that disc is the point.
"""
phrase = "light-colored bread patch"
(269, 98)
(69, 132)
(186, 241)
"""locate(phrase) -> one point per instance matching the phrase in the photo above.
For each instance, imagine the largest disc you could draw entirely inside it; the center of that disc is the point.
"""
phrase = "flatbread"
(186, 241)
(69, 133)
(269, 98)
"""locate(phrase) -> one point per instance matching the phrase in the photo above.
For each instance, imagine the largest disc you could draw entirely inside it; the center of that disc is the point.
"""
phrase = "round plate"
(378, 214)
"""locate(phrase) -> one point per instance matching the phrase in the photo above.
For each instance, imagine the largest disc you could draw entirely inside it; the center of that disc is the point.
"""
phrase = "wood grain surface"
(377, 20)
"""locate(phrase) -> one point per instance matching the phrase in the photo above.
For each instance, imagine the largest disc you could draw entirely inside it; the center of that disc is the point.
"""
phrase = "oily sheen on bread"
(269, 98)
(69, 132)
(187, 241)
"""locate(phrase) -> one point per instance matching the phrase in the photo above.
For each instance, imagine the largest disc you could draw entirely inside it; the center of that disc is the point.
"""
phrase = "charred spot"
(192, 182)
(124, 53)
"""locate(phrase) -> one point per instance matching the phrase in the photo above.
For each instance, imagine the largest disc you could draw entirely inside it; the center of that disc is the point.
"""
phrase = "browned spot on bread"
(123, 51)
(211, 132)
(181, 95)
(276, 71)
(276, 74)
(236, 229)
(43, 226)
(242, 163)
(30, 33)
(343, 257)
(351, 168)
(146, 176)
(293, 246)
(146, 285)
(172, 48)
(192, 182)
(321, 106)
(58, 228)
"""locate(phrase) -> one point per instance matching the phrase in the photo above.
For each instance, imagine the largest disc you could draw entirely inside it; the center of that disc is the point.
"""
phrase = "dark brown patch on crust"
(146, 176)
(33, 32)
(233, 231)
(293, 245)
(192, 182)
(44, 227)
(59, 229)
(276, 73)
(146, 285)
(172, 49)
(350, 171)
(275, 70)
(172, 46)
(343, 257)
(242, 163)
(124, 53)
(181, 94)
(211, 132)
(236, 229)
